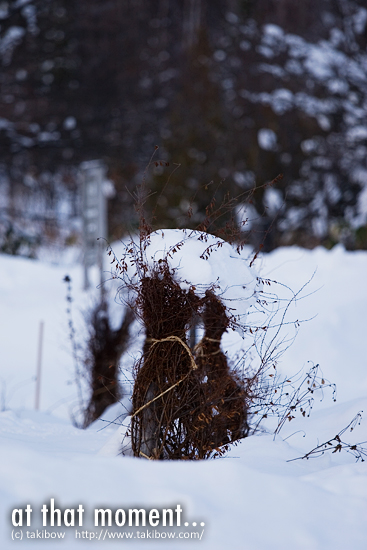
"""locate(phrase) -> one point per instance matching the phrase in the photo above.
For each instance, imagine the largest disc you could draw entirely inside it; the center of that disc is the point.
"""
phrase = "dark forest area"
(232, 92)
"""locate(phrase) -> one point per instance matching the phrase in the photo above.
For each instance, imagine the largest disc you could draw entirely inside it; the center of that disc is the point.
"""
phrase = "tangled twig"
(336, 444)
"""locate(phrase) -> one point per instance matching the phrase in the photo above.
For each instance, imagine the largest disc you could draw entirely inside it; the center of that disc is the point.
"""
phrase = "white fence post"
(94, 204)
(39, 366)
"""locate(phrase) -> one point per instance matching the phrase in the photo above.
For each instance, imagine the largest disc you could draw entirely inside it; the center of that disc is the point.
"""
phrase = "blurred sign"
(94, 205)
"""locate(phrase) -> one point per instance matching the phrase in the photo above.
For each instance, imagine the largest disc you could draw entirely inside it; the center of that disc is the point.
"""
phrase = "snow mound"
(204, 261)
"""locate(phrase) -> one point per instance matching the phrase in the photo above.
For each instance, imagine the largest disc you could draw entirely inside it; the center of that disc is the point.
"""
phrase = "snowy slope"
(252, 499)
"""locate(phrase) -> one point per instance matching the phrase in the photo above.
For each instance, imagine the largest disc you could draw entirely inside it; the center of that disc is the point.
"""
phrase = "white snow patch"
(267, 139)
(69, 123)
(273, 199)
(358, 133)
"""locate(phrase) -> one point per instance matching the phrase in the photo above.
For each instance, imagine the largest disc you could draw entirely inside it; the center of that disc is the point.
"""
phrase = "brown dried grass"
(184, 406)
(105, 349)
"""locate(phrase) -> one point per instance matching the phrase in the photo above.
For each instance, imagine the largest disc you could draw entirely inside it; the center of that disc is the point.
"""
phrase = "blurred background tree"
(234, 91)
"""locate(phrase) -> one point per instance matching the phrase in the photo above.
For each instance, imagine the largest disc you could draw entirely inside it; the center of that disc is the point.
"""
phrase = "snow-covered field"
(254, 498)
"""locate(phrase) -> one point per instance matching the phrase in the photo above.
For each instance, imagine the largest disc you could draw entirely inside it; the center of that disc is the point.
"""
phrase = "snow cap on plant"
(204, 261)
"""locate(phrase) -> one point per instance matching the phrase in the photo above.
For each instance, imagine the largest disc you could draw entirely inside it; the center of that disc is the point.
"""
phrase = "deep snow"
(254, 498)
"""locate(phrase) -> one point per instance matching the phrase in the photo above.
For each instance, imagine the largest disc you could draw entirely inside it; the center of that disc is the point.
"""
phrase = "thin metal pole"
(39, 365)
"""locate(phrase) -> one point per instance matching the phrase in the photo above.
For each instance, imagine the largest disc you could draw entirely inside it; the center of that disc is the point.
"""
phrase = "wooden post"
(39, 365)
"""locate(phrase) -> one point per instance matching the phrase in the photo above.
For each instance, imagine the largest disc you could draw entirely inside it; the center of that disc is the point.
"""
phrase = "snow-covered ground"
(254, 498)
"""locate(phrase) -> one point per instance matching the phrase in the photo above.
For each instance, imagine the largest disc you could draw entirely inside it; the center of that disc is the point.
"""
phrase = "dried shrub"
(105, 348)
(225, 394)
(184, 405)
(190, 404)
(167, 391)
